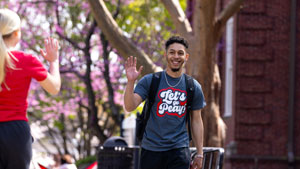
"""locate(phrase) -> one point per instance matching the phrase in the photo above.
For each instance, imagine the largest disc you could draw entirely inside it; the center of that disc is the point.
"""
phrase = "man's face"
(176, 56)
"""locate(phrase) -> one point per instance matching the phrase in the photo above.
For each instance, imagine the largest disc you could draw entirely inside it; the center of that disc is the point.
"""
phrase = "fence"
(123, 157)
(213, 157)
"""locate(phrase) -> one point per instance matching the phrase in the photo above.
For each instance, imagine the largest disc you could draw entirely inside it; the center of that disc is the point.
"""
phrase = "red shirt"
(13, 102)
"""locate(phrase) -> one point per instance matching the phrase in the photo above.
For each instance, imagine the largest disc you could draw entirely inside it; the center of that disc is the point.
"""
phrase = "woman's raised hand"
(51, 53)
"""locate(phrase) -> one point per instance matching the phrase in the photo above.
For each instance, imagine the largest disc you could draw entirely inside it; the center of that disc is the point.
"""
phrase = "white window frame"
(228, 101)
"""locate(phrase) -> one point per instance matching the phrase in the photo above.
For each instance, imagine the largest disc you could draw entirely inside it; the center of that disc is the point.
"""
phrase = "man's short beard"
(175, 70)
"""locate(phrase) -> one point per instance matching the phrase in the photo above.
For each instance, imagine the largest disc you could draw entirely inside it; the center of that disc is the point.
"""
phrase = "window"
(229, 67)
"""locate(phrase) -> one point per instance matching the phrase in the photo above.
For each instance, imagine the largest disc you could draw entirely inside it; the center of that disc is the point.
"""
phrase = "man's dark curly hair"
(176, 39)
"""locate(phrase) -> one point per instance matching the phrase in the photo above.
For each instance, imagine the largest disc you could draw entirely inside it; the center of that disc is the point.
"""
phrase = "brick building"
(261, 87)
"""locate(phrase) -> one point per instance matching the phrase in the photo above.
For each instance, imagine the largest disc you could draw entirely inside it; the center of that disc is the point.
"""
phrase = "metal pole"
(290, 144)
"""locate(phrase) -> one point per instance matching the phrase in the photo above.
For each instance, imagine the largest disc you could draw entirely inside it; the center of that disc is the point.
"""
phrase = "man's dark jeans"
(172, 159)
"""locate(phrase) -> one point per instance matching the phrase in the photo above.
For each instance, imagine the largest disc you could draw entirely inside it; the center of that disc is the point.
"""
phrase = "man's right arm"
(131, 99)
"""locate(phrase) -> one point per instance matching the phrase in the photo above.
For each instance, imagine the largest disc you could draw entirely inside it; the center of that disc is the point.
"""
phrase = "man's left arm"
(197, 134)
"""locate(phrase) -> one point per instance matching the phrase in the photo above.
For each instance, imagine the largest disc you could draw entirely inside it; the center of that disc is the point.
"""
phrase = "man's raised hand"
(131, 71)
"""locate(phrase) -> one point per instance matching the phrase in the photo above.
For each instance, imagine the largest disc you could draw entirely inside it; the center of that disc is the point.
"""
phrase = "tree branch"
(83, 106)
(89, 36)
(233, 7)
(117, 10)
(37, 2)
(179, 18)
(73, 43)
(72, 71)
(44, 146)
(117, 38)
(52, 134)
(114, 109)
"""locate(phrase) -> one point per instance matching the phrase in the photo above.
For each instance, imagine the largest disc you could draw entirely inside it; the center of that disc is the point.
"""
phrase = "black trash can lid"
(115, 141)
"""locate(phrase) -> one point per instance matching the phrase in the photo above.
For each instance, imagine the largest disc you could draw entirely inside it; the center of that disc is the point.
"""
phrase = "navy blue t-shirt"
(166, 127)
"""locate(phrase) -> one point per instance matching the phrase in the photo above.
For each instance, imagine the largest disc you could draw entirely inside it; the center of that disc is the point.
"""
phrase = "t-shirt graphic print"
(172, 102)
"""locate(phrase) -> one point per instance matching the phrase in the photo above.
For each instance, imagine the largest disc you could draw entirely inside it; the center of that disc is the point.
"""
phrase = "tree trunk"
(205, 34)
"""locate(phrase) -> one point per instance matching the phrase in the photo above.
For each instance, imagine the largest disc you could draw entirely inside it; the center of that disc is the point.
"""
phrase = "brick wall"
(262, 85)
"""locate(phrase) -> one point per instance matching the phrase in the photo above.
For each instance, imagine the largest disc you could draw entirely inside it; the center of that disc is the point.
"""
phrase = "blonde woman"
(16, 71)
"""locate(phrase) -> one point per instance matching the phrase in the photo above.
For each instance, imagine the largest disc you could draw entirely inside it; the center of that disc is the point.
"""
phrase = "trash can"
(115, 141)
(115, 154)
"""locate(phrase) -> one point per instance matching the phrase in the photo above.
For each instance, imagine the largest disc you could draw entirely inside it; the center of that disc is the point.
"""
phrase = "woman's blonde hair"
(9, 23)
